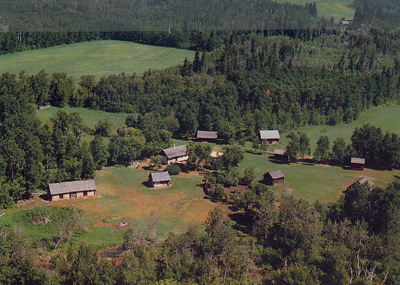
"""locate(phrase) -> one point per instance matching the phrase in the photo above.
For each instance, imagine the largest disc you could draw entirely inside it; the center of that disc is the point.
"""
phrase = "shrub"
(173, 169)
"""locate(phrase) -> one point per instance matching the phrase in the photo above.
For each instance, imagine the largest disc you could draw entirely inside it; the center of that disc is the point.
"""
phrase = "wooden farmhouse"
(270, 136)
(207, 136)
(174, 154)
(71, 190)
(159, 179)
(366, 182)
(274, 177)
(280, 154)
(357, 163)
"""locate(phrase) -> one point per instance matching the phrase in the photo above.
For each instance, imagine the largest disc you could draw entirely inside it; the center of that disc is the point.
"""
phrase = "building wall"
(356, 166)
(278, 181)
(273, 141)
(67, 196)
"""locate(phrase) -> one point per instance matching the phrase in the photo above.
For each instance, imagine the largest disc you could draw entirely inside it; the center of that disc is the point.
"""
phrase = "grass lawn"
(90, 117)
(328, 8)
(315, 182)
(99, 58)
(384, 116)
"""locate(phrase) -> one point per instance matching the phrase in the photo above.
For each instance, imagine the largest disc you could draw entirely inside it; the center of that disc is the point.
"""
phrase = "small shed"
(274, 177)
(365, 182)
(206, 136)
(174, 154)
(71, 190)
(159, 179)
(357, 163)
(280, 154)
(270, 136)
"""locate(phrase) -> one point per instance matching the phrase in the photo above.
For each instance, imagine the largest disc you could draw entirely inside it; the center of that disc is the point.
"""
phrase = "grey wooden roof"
(71, 186)
(366, 181)
(207, 135)
(358, 160)
(276, 174)
(269, 134)
(160, 176)
(176, 151)
(279, 151)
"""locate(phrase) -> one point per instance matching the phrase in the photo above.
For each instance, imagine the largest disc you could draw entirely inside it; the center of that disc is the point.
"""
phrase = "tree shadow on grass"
(242, 222)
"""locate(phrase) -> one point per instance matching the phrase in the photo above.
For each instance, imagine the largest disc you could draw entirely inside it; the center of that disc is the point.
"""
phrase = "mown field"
(384, 116)
(99, 58)
(328, 8)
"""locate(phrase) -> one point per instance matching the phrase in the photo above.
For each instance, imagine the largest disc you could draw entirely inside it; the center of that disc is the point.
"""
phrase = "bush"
(173, 169)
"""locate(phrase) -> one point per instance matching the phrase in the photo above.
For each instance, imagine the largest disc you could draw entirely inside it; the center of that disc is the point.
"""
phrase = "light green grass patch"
(314, 182)
(98, 58)
(328, 8)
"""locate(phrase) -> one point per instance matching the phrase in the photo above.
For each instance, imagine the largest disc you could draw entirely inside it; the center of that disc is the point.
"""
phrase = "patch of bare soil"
(242, 188)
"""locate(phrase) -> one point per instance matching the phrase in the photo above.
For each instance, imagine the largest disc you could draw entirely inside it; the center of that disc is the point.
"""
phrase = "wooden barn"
(274, 177)
(280, 154)
(71, 190)
(357, 163)
(174, 154)
(270, 136)
(365, 181)
(159, 179)
(207, 136)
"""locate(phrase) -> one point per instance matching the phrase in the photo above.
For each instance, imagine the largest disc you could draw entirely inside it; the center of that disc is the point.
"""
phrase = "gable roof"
(207, 135)
(160, 176)
(365, 181)
(71, 186)
(358, 160)
(176, 151)
(269, 134)
(276, 174)
(279, 151)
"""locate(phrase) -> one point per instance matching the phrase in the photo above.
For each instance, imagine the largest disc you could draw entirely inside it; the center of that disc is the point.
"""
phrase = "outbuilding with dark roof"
(159, 179)
(174, 154)
(365, 181)
(207, 136)
(357, 163)
(280, 154)
(274, 177)
(71, 189)
(270, 136)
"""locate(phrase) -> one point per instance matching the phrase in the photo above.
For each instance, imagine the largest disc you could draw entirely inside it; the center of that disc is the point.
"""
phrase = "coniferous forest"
(237, 83)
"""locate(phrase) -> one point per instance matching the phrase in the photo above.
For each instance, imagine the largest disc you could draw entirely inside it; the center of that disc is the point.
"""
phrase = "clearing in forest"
(328, 8)
(98, 58)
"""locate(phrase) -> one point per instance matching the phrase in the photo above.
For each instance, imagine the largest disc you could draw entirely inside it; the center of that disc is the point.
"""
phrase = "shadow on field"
(44, 197)
(242, 222)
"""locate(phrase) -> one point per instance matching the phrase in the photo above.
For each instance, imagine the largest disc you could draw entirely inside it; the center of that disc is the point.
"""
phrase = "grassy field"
(99, 58)
(314, 182)
(90, 117)
(384, 116)
(123, 196)
(328, 8)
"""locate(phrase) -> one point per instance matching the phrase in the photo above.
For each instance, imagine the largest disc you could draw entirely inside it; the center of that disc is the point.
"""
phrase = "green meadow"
(328, 8)
(99, 58)
(385, 116)
(124, 196)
